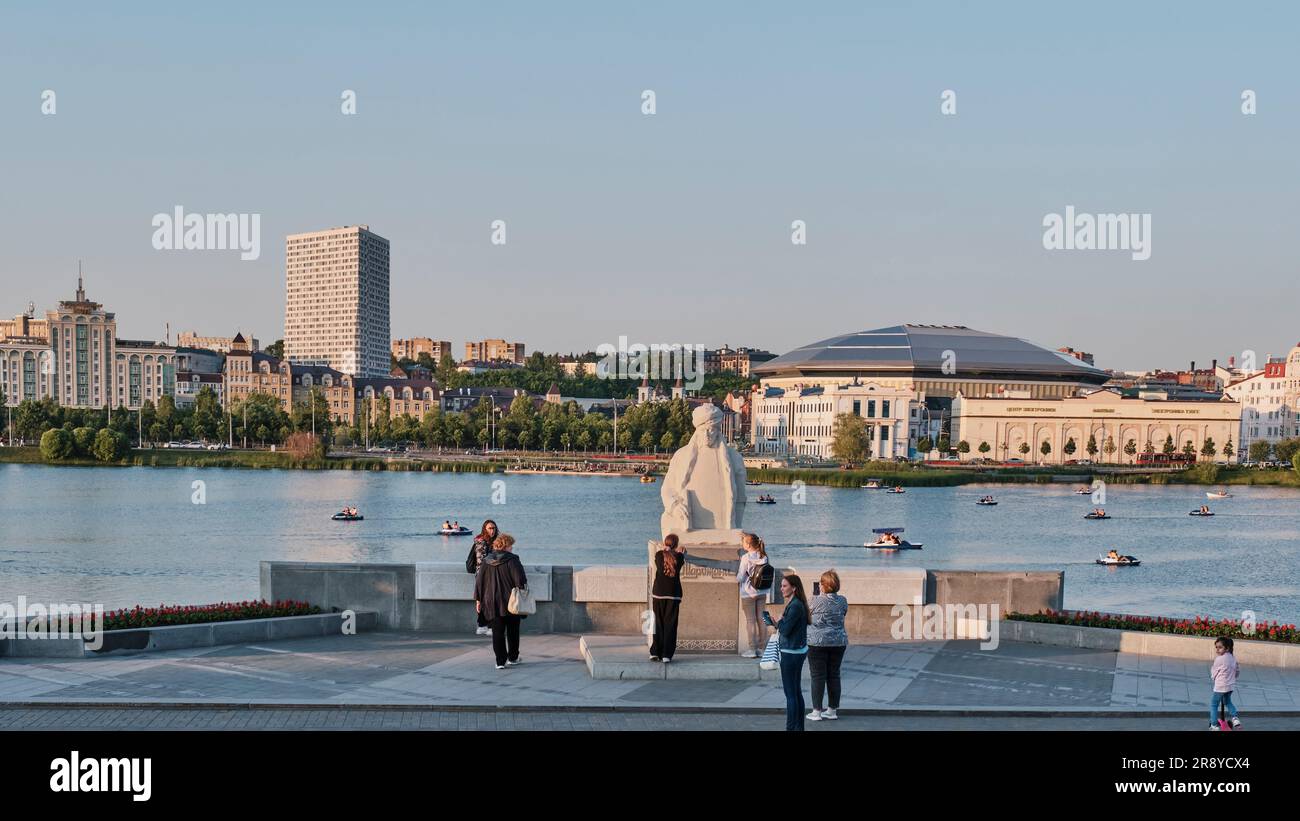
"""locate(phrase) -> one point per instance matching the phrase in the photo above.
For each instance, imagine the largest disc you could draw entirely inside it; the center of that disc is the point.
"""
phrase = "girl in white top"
(752, 600)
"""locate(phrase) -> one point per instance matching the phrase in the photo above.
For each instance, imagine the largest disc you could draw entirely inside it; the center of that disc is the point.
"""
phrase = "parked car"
(1015, 461)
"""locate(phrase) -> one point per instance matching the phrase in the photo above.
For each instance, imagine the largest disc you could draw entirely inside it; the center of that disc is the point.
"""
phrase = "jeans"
(1226, 700)
(824, 665)
(791, 675)
(754, 627)
(505, 638)
(665, 636)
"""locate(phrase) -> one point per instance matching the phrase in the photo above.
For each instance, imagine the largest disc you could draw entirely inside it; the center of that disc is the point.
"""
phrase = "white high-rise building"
(336, 309)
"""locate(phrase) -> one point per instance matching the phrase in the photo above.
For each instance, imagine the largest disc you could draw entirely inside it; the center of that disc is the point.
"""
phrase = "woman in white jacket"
(751, 598)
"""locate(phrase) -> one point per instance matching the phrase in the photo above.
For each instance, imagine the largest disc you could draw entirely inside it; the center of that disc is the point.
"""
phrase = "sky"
(673, 227)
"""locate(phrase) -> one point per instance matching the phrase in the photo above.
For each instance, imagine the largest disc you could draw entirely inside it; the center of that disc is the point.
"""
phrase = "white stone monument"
(704, 489)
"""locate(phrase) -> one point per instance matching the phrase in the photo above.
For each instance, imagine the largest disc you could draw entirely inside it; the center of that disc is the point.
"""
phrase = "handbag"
(471, 561)
(771, 659)
(522, 602)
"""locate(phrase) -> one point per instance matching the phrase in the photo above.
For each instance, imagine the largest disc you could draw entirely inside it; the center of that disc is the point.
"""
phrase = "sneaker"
(829, 715)
(514, 663)
(655, 658)
(668, 659)
(1214, 727)
(482, 631)
(815, 715)
(749, 654)
(1236, 723)
(502, 667)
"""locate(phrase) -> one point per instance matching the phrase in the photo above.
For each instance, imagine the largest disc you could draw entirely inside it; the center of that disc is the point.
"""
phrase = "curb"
(965, 712)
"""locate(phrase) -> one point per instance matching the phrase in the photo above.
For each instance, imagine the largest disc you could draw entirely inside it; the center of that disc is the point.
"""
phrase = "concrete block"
(610, 583)
(442, 581)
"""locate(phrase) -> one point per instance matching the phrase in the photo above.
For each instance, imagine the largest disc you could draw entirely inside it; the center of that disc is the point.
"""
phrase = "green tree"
(944, 445)
(1109, 448)
(963, 447)
(1169, 446)
(925, 444)
(1091, 447)
(84, 441)
(849, 437)
(1024, 448)
(1208, 448)
(1228, 449)
(666, 441)
(110, 445)
(984, 448)
(57, 443)
(1188, 448)
(1070, 447)
(1045, 448)
(1130, 448)
(1260, 450)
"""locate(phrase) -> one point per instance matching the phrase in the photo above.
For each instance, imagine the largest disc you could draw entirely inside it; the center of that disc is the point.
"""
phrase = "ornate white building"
(1270, 402)
(800, 421)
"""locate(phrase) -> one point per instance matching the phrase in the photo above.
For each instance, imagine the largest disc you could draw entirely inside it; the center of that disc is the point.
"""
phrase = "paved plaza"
(455, 673)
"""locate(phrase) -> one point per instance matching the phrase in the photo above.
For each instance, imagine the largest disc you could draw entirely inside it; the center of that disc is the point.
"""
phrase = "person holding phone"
(827, 642)
(792, 642)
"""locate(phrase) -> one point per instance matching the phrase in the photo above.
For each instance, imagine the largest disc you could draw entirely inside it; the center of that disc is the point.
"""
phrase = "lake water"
(122, 536)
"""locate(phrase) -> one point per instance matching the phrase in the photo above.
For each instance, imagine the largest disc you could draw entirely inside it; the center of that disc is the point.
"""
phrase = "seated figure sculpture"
(704, 489)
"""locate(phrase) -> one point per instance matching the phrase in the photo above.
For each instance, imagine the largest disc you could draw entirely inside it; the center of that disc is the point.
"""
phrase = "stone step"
(627, 658)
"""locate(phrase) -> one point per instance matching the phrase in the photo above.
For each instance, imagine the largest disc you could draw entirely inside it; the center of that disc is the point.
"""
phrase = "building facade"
(337, 300)
(26, 369)
(495, 350)
(800, 421)
(1111, 419)
(1270, 402)
(143, 372)
(220, 344)
(413, 347)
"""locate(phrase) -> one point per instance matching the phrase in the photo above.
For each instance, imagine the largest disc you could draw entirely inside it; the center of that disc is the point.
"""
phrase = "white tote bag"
(771, 655)
(521, 602)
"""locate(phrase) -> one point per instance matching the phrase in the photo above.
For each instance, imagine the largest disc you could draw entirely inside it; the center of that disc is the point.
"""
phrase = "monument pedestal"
(709, 620)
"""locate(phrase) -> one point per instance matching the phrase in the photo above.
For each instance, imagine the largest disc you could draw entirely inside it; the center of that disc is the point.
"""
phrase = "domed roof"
(926, 349)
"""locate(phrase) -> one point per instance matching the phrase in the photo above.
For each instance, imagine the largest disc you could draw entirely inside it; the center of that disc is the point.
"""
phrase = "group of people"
(348, 511)
(497, 574)
(808, 630)
(1099, 512)
(447, 524)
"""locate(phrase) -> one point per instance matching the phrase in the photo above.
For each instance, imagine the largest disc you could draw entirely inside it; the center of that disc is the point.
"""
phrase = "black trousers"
(505, 638)
(824, 669)
(665, 638)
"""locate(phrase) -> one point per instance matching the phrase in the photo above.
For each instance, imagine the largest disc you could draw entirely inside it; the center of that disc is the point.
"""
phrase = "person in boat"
(446, 524)
(1205, 509)
(898, 488)
(455, 525)
(1113, 554)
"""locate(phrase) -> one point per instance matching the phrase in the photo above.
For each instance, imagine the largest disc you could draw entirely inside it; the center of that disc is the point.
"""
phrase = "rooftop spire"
(81, 291)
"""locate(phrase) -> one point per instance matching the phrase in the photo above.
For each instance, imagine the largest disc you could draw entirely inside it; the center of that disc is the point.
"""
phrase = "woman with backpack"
(755, 580)
(666, 599)
(474, 561)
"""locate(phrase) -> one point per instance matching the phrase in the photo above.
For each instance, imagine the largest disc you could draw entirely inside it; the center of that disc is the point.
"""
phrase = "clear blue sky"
(671, 228)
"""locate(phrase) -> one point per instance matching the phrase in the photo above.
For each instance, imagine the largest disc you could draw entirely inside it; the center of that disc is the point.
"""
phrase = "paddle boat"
(1203, 511)
(1097, 514)
(1113, 559)
(888, 539)
(872, 484)
(457, 530)
(753, 482)
(895, 490)
(765, 500)
(1218, 494)
(987, 501)
(647, 479)
(1083, 491)
(348, 514)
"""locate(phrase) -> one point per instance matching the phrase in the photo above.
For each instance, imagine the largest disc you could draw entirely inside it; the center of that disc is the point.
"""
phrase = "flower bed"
(170, 615)
(1198, 626)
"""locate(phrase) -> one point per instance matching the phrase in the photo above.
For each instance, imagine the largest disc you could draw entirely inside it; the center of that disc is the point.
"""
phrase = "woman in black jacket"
(500, 574)
(482, 547)
(792, 641)
(666, 599)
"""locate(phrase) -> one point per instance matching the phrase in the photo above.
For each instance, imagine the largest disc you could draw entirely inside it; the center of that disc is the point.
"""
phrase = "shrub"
(1198, 626)
(110, 445)
(84, 439)
(165, 615)
(56, 444)
(303, 445)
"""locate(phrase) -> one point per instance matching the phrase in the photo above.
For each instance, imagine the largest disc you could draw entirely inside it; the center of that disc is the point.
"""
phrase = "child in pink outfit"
(1223, 674)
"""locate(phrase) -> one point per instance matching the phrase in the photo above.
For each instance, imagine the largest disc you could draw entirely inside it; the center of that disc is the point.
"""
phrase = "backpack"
(471, 561)
(761, 576)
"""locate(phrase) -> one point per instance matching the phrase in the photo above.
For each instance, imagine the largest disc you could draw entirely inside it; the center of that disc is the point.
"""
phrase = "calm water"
(131, 535)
